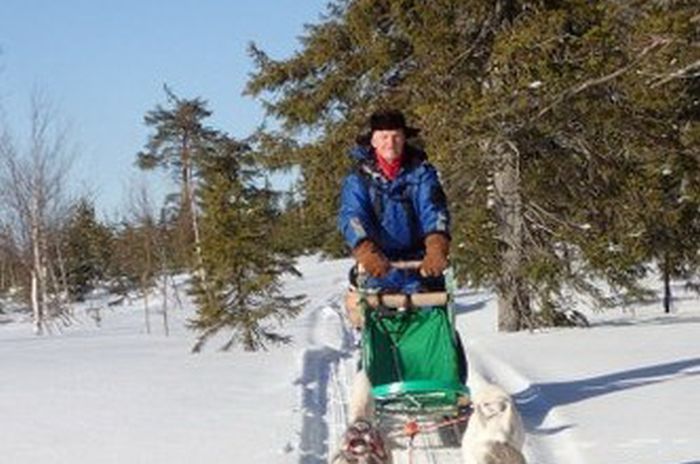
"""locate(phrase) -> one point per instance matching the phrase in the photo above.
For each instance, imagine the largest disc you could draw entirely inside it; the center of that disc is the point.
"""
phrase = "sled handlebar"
(396, 300)
(403, 265)
(406, 265)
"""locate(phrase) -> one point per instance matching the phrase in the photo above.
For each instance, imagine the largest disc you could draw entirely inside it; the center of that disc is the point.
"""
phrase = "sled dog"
(495, 431)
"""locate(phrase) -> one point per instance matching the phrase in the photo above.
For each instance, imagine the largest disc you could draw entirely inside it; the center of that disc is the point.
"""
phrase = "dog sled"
(415, 363)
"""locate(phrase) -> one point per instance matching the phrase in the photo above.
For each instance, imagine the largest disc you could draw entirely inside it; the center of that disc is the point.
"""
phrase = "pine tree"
(543, 116)
(179, 142)
(242, 292)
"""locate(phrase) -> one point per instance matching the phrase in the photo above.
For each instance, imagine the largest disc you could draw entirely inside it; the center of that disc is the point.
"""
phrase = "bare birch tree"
(152, 251)
(31, 181)
(142, 217)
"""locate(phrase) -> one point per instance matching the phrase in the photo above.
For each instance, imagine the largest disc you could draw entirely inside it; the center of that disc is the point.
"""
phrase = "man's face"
(389, 143)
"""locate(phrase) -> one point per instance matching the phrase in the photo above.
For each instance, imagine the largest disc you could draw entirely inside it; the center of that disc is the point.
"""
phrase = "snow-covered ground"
(626, 390)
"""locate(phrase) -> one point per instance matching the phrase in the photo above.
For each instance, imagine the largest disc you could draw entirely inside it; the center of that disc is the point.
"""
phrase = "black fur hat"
(386, 120)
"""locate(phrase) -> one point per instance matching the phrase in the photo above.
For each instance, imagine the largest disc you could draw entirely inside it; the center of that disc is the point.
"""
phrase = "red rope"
(444, 423)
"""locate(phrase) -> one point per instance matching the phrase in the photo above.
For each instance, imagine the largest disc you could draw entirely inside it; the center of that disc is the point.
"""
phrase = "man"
(393, 207)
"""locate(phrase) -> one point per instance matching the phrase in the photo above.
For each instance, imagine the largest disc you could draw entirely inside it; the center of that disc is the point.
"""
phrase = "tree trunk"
(60, 307)
(64, 278)
(166, 327)
(190, 199)
(513, 296)
(195, 231)
(146, 311)
(37, 293)
(190, 207)
(36, 307)
(667, 285)
(43, 281)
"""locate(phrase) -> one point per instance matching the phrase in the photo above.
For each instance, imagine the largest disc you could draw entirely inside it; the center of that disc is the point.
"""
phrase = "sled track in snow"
(550, 445)
(328, 366)
(314, 383)
(319, 380)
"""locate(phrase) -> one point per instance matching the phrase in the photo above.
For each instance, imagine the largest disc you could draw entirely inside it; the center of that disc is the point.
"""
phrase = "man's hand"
(371, 258)
(437, 247)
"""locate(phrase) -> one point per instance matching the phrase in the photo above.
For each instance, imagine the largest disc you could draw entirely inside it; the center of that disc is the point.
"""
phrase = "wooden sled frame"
(395, 301)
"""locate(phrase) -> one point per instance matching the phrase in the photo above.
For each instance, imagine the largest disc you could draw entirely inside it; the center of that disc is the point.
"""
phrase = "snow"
(624, 390)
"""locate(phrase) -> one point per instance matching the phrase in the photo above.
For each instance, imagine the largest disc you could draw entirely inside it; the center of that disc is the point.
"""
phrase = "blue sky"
(103, 65)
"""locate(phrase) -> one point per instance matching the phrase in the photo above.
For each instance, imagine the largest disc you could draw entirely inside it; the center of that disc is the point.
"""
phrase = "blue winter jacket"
(396, 214)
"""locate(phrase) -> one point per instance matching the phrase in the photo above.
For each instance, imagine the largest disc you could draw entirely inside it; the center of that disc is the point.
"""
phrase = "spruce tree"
(87, 251)
(242, 292)
(669, 96)
(544, 117)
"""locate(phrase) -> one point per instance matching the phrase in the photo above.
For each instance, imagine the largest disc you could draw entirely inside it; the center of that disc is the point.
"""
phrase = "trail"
(330, 360)
(327, 346)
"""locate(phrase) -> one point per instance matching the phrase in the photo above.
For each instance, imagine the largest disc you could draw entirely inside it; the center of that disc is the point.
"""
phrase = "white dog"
(495, 432)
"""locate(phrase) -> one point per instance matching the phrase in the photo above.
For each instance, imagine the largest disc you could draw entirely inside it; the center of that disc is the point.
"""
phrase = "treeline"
(567, 134)
(73, 253)
(222, 227)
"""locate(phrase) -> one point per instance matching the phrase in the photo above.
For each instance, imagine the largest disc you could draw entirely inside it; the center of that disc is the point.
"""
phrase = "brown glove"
(437, 247)
(371, 258)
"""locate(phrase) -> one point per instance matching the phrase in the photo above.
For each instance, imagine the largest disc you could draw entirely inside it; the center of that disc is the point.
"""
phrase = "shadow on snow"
(314, 383)
(536, 401)
(462, 308)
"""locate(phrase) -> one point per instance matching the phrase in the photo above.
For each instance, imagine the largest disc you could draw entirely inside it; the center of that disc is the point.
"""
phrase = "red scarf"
(390, 169)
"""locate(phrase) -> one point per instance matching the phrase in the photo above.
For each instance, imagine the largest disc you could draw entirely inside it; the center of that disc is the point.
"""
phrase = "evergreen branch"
(678, 74)
(542, 213)
(538, 221)
(205, 336)
(486, 27)
(655, 44)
